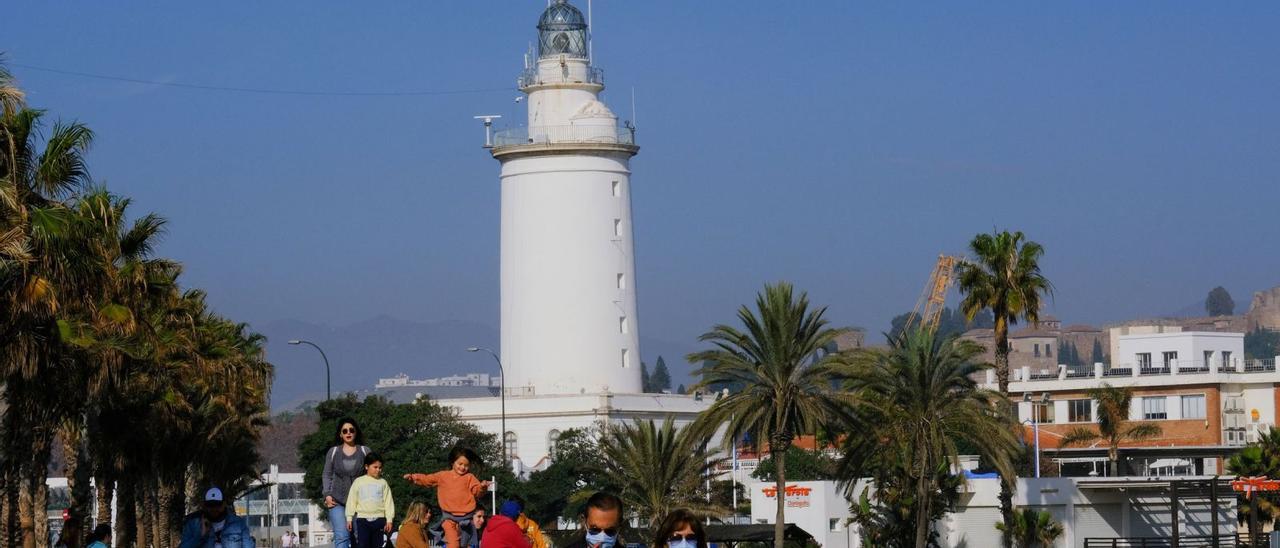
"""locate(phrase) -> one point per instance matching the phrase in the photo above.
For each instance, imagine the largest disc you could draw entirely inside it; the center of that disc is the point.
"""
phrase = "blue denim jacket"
(234, 535)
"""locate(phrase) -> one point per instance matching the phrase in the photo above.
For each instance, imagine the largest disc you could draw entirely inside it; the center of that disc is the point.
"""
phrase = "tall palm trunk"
(1002, 379)
(780, 483)
(77, 472)
(159, 529)
(102, 494)
(922, 504)
(126, 518)
(7, 506)
(26, 516)
(141, 510)
(40, 506)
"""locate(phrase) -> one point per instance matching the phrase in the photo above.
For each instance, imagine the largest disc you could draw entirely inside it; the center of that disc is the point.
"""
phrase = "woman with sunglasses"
(343, 463)
(680, 529)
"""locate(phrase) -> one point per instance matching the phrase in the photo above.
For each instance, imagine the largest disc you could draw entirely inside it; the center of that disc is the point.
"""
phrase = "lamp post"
(1035, 421)
(327, 381)
(502, 393)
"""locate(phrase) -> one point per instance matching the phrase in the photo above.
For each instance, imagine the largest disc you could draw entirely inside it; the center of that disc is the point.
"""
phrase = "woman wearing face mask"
(680, 529)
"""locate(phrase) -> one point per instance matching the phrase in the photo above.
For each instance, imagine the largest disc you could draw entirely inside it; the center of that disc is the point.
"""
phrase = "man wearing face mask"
(214, 527)
(600, 523)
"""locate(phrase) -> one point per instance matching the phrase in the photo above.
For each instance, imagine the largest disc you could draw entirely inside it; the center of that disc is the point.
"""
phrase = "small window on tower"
(617, 227)
(626, 358)
(622, 281)
(617, 188)
(622, 324)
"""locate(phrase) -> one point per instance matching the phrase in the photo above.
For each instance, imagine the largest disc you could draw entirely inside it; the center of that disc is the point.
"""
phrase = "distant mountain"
(361, 353)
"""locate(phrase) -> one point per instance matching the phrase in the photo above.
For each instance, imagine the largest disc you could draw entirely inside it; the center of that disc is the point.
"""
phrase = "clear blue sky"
(839, 145)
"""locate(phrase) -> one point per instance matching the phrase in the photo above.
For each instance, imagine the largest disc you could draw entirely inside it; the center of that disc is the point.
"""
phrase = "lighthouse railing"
(545, 135)
(532, 77)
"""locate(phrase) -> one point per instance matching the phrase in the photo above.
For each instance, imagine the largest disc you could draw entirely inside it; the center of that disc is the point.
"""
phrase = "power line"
(266, 91)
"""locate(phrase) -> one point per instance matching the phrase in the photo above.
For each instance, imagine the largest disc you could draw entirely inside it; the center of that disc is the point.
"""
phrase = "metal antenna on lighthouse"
(488, 127)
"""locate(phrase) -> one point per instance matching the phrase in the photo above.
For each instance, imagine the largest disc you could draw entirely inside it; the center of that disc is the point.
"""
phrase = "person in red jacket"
(502, 532)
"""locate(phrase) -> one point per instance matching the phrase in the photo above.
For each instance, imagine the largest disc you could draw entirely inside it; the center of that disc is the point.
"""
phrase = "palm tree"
(1258, 459)
(1003, 277)
(917, 403)
(1032, 528)
(783, 377)
(1114, 426)
(659, 468)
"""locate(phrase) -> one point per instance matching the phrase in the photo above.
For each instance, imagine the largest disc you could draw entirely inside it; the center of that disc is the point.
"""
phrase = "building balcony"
(1177, 372)
(549, 138)
(533, 77)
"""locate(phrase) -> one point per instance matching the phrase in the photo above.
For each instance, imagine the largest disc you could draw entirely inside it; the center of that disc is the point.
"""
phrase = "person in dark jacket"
(680, 529)
(343, 463)
(600, 523)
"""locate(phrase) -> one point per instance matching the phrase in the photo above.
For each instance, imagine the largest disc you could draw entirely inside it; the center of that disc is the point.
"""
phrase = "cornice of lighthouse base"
(550, 149)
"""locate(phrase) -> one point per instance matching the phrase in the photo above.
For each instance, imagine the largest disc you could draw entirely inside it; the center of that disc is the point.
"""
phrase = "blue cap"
(510, 509)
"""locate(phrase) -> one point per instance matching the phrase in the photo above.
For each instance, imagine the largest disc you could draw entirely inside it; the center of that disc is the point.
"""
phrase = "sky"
(838, 145)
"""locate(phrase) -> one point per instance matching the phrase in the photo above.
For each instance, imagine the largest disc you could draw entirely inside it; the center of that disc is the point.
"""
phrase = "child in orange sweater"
(456, 490)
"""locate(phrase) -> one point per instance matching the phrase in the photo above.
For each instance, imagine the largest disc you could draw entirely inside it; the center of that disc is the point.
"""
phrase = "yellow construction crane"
(932, 300)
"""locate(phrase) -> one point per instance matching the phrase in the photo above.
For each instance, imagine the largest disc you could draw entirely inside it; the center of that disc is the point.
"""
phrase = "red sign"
(1256, 483)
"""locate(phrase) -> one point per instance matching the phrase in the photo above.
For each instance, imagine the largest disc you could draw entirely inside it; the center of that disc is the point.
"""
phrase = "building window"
(1048, 350)
(833, 524)
(509, 441)
(1169, 359)
(622, 325)
(617, 227)
(1226, 359)
(1193, 407)
(1044, 412)
(1144, 360)
(626, 358)
(617, 188)
(1080, 410)
(1036, 348)
(553, 437)
(622, 281)
(1208, 358)
(1153, 408)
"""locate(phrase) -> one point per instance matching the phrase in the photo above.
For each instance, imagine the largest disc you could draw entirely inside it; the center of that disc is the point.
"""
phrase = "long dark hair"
(337, 431)
(102, 532)
(675, 521)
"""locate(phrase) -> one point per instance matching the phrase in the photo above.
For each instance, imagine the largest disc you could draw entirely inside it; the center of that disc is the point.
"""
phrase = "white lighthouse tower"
(568, 269)
(570, 348)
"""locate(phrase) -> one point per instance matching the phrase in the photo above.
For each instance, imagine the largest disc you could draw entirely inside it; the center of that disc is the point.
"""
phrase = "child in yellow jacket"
(370, 507)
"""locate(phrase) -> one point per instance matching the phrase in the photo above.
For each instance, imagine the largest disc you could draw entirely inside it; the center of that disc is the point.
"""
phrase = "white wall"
(811, 506)
(1190, 346)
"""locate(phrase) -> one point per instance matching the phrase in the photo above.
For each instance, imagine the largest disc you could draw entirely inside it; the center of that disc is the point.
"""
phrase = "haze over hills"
(383, 346)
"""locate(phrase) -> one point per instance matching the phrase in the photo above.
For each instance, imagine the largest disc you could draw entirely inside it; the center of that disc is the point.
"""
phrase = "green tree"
(646, 384)
(412, 438)
(787, 379)
(1258, 459)
(1004, 278)
(950, 322)
(1261, 344)
(661, 379)
(1113, 426)
(1032, 528)
(917, 402)
(1097, 355)
(1219, 302)
(576, 466)
(802, 465)
(656, 469)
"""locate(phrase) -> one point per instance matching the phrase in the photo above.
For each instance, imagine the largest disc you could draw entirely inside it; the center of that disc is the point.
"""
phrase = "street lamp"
(327, 382)
(1035, 421)
(502, 393)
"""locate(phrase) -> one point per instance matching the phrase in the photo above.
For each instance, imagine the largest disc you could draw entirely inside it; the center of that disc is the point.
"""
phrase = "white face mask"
(683, 543)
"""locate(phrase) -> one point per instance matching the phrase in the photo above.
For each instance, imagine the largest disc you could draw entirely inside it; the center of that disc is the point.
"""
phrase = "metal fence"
(532, 77)
(541, 135)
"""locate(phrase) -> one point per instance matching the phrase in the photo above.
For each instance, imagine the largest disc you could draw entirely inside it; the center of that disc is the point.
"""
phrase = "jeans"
(369, 532)
(338, 519)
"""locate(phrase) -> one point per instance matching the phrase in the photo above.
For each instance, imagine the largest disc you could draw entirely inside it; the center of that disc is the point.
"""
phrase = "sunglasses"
(348, 430)
(608, 531)
(678, 537)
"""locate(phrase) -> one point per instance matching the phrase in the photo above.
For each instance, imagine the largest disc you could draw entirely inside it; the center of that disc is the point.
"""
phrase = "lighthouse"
(570, 345)
(568, 291)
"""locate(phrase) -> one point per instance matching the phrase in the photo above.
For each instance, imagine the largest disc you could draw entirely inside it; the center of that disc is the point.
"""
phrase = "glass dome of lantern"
(562, 30)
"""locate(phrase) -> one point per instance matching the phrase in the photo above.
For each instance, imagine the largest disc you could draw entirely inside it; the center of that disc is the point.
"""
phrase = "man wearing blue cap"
(214, 527)
(501, 530)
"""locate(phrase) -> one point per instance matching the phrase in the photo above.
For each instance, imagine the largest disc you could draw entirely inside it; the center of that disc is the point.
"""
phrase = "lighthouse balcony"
(552, 136)
(580, 74)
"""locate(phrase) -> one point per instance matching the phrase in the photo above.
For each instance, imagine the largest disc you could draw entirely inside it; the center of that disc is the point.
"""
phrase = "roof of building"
(1081, 328)
(1031, 332)
(979, 333)
(409, 394)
